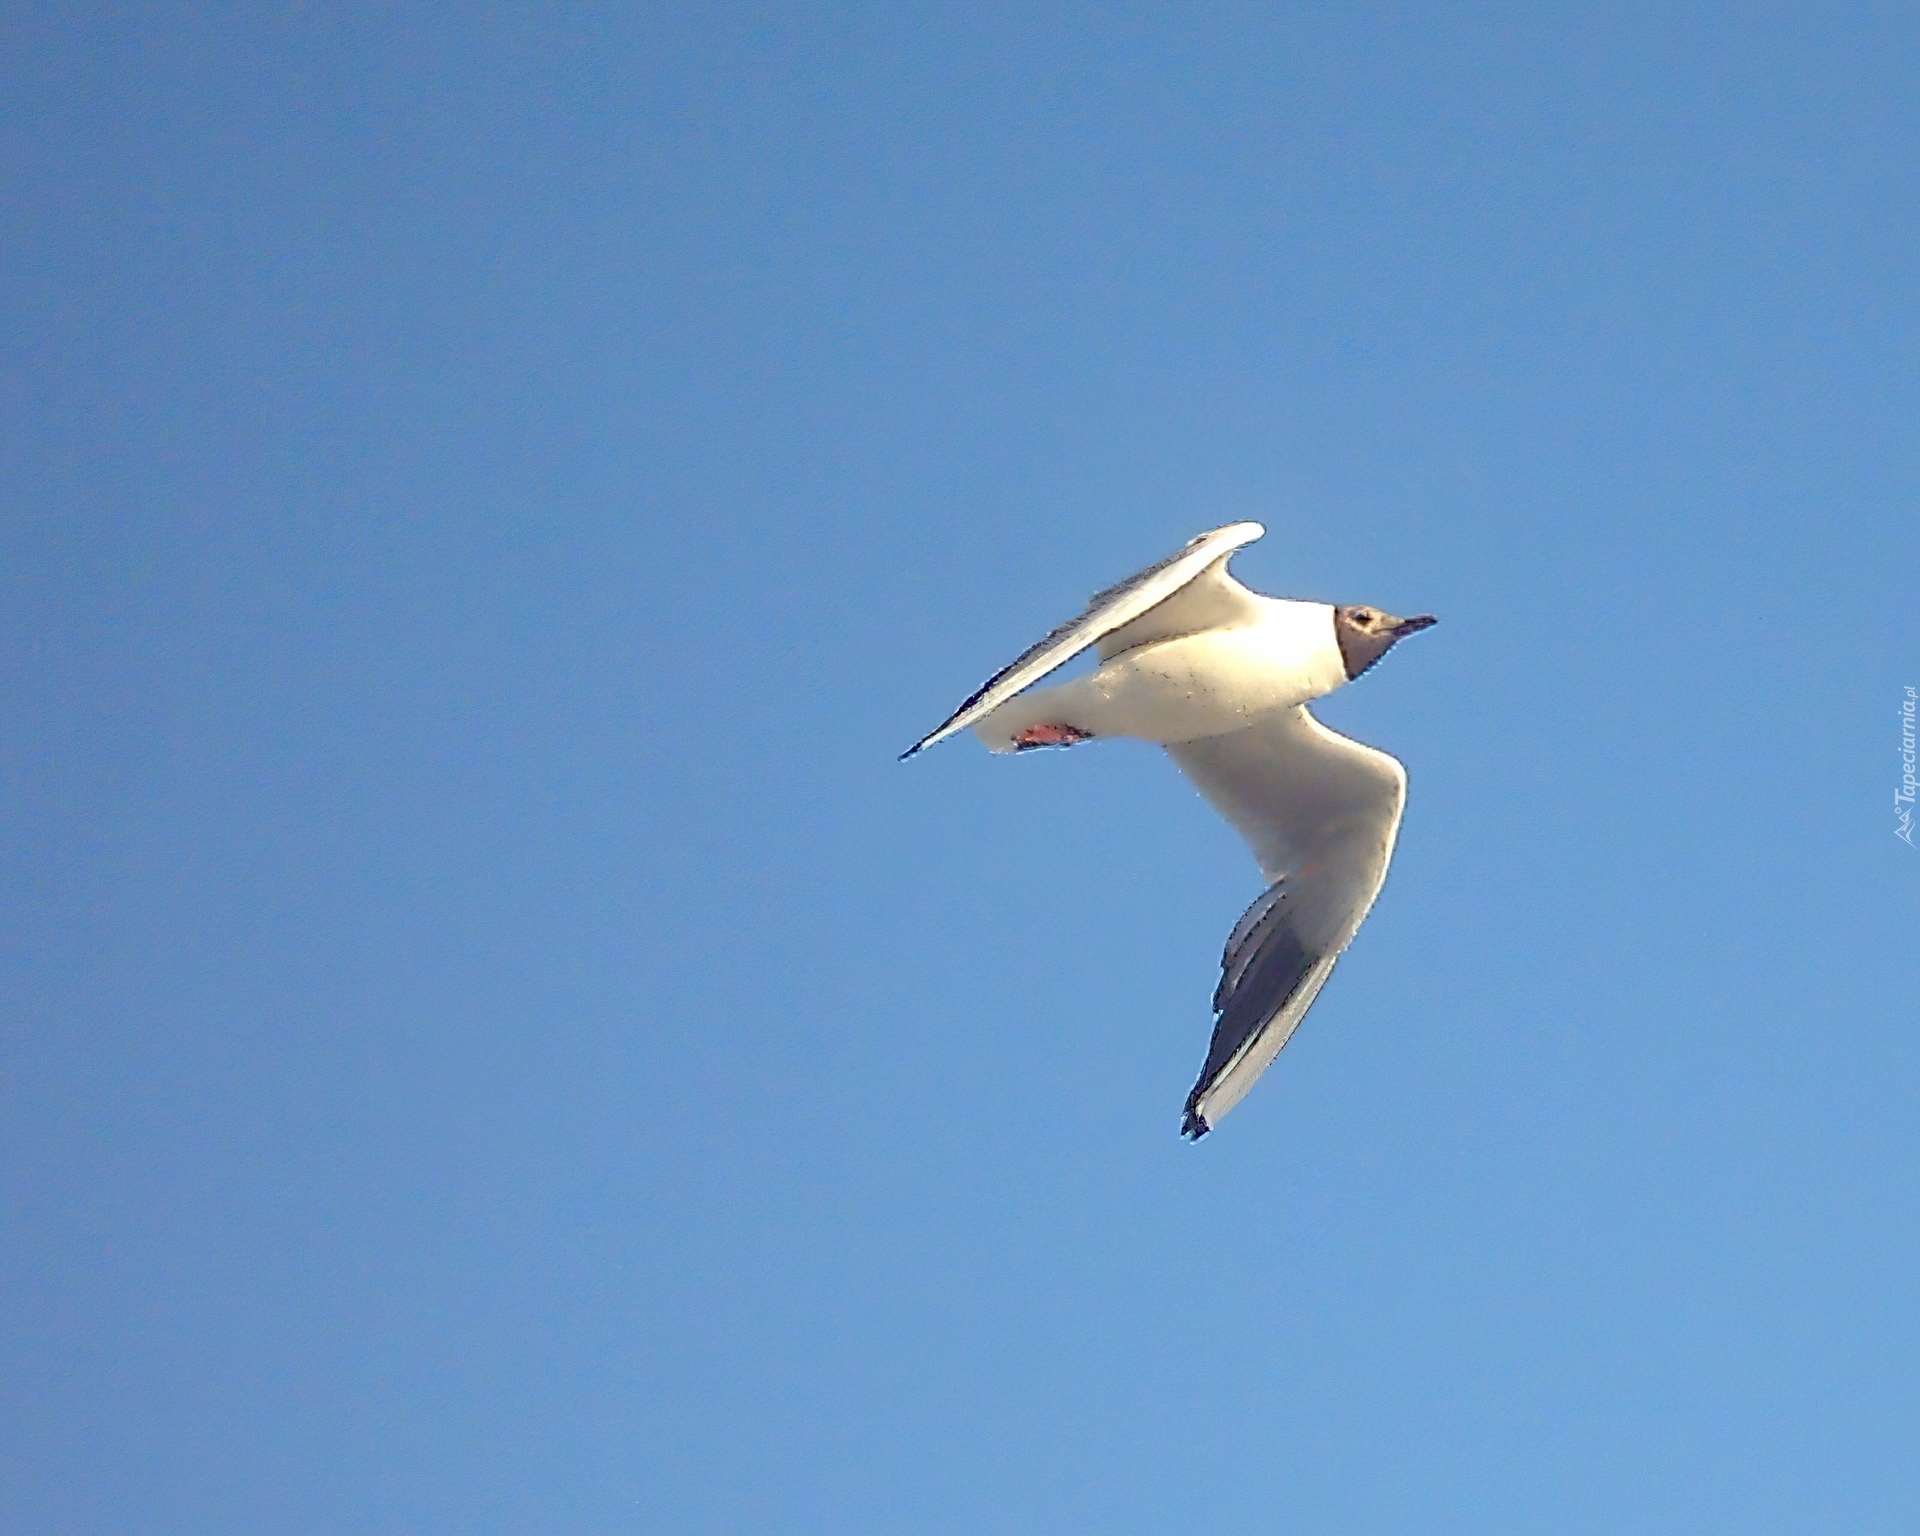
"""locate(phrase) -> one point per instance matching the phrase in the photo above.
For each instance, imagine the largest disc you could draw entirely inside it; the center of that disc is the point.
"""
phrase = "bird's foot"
(1050, 736)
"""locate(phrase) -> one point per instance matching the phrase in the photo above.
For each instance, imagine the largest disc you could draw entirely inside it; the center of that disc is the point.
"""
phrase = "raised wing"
(1128, 611)
(1321, 813)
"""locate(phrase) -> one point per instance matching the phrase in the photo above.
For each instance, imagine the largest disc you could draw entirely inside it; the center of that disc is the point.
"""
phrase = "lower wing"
(1321, 813)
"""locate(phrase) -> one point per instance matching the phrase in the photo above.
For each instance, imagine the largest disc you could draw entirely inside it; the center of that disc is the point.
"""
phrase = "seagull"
(1220, 676)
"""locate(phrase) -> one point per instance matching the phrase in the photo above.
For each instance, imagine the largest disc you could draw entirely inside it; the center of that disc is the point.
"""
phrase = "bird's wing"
(1321, 813)
(1192, 586)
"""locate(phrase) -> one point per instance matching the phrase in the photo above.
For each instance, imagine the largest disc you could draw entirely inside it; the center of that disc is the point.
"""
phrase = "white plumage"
(1220, 676)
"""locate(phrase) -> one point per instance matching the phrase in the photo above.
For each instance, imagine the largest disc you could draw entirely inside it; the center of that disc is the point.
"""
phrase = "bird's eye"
(1362, 616)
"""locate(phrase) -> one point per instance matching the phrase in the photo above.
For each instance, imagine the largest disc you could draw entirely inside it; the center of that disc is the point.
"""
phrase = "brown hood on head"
(1366, 634)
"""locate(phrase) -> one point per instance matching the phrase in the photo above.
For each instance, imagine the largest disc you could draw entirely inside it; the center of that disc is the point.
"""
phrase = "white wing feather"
(1321, 813)
(1116, 608)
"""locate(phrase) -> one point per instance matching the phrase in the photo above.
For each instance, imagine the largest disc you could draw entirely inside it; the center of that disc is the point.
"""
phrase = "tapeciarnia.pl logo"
(1903, 796)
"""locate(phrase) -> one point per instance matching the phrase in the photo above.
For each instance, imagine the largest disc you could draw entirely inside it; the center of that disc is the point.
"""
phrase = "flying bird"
(1220, 676)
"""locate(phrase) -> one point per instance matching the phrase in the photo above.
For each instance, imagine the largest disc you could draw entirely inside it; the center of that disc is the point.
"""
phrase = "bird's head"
(1366, 634)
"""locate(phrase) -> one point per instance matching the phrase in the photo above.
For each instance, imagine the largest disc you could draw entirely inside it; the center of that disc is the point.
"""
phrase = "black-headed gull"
(1220, 676)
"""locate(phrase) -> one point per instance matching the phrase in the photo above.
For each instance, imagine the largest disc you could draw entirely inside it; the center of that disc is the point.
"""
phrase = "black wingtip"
(906, 754)
(1193, 1127)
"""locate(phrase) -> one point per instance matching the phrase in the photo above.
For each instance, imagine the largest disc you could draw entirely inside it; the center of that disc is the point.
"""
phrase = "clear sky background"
(494, 1042)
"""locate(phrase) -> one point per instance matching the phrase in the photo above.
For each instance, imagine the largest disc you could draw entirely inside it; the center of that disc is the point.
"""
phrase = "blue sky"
(493, 1039)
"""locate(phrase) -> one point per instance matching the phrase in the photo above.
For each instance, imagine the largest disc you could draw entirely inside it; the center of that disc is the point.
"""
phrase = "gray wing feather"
(1268, 980)
(1107, 611)
(1242, 944)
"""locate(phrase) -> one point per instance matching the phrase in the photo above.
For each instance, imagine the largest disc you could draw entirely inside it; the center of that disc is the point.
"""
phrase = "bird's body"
(1221, 676)
(1189, 686)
